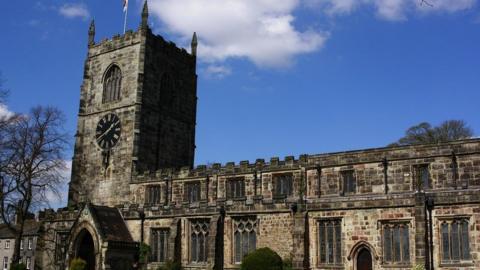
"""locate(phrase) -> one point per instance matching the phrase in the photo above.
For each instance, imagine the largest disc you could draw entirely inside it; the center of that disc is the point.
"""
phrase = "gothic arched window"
(244, 237)
(199, 240)
(112, 84)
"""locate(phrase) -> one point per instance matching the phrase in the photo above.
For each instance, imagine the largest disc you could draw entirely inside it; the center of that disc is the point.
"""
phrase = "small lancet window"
(112, 84)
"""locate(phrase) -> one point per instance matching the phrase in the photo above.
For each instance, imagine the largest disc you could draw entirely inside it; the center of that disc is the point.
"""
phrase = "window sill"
(457, 264)
(156, 263)
(396, 265)
(330, 266)
(197, 265)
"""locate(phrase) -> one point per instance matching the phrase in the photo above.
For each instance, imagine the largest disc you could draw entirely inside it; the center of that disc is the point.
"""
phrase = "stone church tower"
(137, 113)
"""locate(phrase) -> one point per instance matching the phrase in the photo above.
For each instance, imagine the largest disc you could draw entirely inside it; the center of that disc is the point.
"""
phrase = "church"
(134, 181)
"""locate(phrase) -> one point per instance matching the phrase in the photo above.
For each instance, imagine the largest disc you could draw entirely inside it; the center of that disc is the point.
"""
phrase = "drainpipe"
(385, 173)
(141, 214)
(430, 206)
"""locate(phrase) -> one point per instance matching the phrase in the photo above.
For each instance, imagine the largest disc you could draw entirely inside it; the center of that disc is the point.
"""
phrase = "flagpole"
(125, 21)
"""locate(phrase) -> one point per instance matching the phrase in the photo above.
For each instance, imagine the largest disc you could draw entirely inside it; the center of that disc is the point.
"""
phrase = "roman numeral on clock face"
(108, 131)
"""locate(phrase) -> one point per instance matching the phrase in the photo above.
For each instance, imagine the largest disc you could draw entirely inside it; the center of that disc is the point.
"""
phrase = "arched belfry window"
(112, 84)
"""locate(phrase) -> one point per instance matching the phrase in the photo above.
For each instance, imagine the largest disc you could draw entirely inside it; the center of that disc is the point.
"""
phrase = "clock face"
(108, 131)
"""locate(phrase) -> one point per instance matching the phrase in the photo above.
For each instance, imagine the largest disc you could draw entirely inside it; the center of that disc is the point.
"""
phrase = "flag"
(125, 5)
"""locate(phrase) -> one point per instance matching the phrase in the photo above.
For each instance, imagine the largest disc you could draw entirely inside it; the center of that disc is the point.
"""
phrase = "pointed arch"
(359, 246)
(84, 234)
(112, 84)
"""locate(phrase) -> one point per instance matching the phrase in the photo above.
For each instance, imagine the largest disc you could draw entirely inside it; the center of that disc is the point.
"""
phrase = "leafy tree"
(20, 266)
(78, 264)
(262, 259)
(31, 165)
(424, 133)
(170, 265)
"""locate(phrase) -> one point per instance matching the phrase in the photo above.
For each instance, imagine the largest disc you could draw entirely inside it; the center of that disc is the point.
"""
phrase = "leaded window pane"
(238, 247)
(465, 241)
(245, 243)
(323, 242)
(252, 240)
(194, 247)
(445, 242)
(159, 243)
(199, 240)
(201, 256)
(245, 230)
(387, 239)
(329, 241)
(192, 192)
(60, 246)
(236, 188)
(153, 194)
(405, 244)
(422, 177)
(349, 181)
(338, 243)
(283, 184)
(396, 246)
(455, 241)
(112, 84)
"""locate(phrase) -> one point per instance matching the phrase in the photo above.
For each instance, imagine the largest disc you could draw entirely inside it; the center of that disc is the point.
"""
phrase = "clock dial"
(108, 131)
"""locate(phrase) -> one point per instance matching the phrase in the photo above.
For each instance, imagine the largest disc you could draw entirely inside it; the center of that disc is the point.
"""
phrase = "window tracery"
(244, 237)
(112, 84)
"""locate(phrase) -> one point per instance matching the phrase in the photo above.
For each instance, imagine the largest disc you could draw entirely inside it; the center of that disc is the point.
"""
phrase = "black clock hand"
(105, 133)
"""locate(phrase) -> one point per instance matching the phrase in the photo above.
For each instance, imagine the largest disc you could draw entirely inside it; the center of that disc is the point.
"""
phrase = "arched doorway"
(85, 249)
(364, 260)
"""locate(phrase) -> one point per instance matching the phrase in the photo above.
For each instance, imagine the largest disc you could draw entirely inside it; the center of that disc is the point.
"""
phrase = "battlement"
(65, 213)
(134, 37)
(325, 160)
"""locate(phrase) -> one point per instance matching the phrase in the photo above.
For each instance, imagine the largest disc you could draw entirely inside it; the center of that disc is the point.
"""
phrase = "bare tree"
(424, 133)
(3, 91)
(31, 164)
(425, 2)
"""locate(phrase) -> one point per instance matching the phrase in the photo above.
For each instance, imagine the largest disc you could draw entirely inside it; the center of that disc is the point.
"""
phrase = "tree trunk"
(16, 249)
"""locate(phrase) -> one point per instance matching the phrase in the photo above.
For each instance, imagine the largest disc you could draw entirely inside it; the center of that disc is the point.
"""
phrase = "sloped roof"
(111, 224)
(30, 228)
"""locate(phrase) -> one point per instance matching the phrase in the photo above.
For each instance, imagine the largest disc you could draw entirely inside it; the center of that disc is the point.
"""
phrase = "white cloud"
(262, 31)
(217, 71)
(265, 32)
(72, 11)
(393, 10)
(5, 113)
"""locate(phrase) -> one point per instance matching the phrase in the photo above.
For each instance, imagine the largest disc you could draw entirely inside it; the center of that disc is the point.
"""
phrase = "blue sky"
(276, 78)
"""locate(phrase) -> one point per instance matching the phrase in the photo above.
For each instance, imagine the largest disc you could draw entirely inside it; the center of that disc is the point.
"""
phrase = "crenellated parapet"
(418, 153)
(340, 177)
